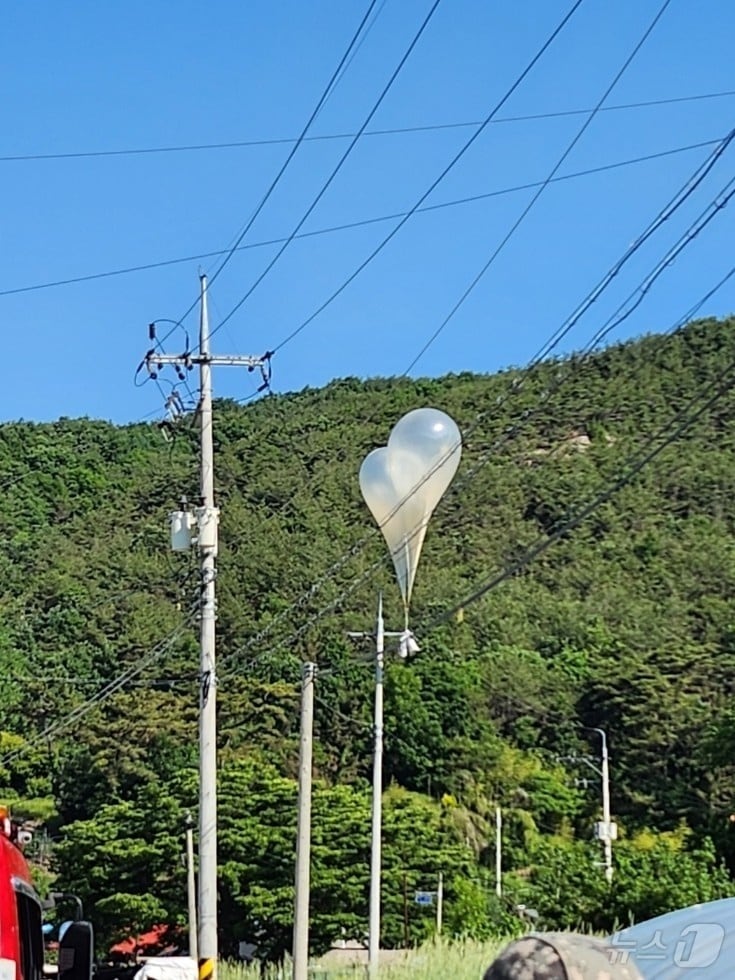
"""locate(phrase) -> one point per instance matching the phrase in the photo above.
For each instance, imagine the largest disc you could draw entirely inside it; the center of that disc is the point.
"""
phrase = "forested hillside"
(625, 622)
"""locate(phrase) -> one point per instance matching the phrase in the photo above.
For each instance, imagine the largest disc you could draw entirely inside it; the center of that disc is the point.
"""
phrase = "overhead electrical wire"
(669, 433)
(636, 296)
(633, 468)
(104, 693)
(340, 163)
(356, 49)
(236, 144)
(276, 180)
(531, 204)
(435, 183)
(347, 226)
(289, 642)
(689, 236)
(665, 214)
(666, 435)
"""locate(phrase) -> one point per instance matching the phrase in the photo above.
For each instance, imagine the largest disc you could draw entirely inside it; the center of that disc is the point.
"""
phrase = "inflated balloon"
(404, 481)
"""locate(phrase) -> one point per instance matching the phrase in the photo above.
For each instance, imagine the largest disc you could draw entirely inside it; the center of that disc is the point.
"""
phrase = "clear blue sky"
(91, 76)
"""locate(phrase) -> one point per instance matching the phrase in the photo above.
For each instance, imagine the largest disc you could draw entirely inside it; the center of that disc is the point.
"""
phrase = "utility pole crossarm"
(153, 360)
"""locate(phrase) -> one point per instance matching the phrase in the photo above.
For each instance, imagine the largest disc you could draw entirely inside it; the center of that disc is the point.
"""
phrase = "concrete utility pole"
(206, 520)
(498, 852)
(191, 893)
(303, 839)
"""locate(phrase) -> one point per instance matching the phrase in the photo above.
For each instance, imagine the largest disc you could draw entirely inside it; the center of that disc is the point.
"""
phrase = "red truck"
(21, 919)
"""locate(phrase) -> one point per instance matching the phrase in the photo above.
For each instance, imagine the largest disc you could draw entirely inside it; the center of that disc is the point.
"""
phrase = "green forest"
(568, 582)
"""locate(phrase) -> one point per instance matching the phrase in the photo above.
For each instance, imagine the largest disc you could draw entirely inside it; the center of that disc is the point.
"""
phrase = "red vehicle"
(21, 936)
(21, 939)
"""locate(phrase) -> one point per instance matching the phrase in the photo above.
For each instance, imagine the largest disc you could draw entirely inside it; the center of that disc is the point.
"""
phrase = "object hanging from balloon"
(404, 481)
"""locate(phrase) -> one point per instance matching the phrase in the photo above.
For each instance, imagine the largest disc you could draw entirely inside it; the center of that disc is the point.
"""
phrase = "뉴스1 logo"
(697, 946)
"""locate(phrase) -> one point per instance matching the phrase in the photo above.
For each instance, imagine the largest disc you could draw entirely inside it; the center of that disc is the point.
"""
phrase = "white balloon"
(404, 481)
(425, 447)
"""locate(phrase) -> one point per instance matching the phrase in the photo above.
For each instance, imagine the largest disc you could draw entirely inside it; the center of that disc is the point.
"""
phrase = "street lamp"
(606, 830)
(402, 483)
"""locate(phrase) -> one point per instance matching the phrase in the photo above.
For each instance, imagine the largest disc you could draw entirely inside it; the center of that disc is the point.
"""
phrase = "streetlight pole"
(407, 645)
(607, 830)
(377, 814)
(439, 903)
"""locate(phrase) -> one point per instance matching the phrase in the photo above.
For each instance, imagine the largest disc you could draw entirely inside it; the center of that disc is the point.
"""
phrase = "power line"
(347, 226)
(357, 47)
(521, 218)
(622, 313)
(289, 642)
(457, 157)
(239, 144)
(342, 160)
(505, 436)
(664, 215)
(678, 199)
(113, 686)
(633, 467)
(104, 693)
(274, 183)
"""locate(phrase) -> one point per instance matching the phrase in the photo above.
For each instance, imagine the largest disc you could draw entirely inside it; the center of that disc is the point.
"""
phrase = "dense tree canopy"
(624, 623)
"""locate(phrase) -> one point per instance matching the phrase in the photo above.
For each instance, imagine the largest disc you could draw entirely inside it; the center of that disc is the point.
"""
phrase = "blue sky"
(96, 76)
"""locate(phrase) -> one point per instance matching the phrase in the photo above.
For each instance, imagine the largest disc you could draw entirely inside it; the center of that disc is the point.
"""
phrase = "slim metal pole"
(375, 849)
(607, 838)
(439, 903)
(303, 838)
(207, 520)
(191, 893)
(498, 852)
